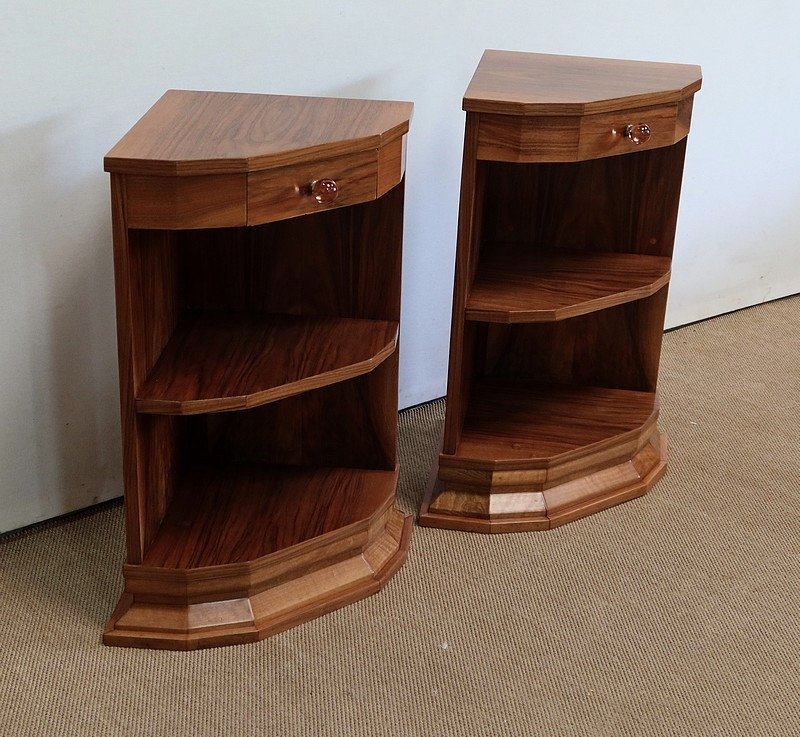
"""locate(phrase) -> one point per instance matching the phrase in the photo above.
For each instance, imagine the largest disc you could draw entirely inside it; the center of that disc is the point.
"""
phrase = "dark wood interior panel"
(159, 452)
(621, 203)
(467, 253)
(343, 425)
(343, 262)
(298, 267)
(376, 256)
(617, 348)
(154, 294)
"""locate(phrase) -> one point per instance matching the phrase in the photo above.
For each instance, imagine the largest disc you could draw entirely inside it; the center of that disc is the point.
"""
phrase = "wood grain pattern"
(188, 133)
(134, 497)
(602, 134)
(277, 194)
(566, 232)
(517, 284)
(391, 165)
(543, 138)
(345, 261)
(576, 138)
(179, 586)
(467, 249)
(618, 347)
(233, 292)
(217, 363)
(306, 429)
(223, 515)
(520, 83)
(489, 512)
(625, 204)
(518, 425)
(191, 202)
(263, 611)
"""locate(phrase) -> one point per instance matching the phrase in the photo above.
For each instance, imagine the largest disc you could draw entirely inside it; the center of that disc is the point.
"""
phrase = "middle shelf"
(516, 284)
(218, 362)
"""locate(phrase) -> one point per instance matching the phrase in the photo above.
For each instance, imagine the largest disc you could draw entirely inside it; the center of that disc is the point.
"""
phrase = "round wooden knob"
(638, 133)
(324, 191)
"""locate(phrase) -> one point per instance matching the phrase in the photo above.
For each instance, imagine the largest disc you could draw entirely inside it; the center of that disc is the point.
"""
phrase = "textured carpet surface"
(675, 614)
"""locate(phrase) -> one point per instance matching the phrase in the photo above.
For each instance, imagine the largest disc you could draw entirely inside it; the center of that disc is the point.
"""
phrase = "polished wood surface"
(313, 584)
(188, 133)
(391, 165)
(277, 194)
(257, 253)
(616, 347)
(232, 514)
(517, 284)
(467, 249)
(514, 510)
(188, 202)
(512, 424)
(521, 83)
(305, 429)
(571, 182)
(620, 204)
(215, 363)
(576, 138)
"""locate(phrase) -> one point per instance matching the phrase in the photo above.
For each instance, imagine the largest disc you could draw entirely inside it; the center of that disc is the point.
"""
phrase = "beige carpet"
(675, 614)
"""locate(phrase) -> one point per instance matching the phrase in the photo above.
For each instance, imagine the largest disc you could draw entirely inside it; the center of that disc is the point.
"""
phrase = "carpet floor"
(674, 614)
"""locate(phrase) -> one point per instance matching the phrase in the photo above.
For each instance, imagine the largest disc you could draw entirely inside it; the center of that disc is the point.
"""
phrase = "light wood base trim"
(508, 510)
(240, 619)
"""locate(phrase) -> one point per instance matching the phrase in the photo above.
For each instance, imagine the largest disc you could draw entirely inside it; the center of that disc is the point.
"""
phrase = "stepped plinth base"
(508, 500)
(237, 603)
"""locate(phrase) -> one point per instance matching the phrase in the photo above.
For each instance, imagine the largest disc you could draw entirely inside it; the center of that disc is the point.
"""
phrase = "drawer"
(603, 134)
(579, 138)
(300, 189)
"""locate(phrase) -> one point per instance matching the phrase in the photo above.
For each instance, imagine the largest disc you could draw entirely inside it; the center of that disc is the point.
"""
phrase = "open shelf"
(570, 186)
(258, 305)
(219, 362)
(513, 421)
(517, 284)
(228, 514)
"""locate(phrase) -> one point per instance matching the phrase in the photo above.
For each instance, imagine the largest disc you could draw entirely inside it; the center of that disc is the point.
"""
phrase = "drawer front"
(577, 138)
(604, 134)
(289, 191)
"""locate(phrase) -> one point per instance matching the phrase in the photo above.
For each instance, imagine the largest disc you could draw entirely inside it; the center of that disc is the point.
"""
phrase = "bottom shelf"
(533, 457)
(245, 552)
(524, 425)
(237, 513)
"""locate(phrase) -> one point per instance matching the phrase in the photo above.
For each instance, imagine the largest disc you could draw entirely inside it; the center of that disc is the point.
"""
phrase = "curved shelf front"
(532, 457)
(520, 285)
(217, 363)
(226, 515)
(247, 550)
(513, 424)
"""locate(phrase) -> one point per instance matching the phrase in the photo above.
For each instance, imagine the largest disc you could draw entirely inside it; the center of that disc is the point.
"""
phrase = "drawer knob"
(638, 133)
(324, 191)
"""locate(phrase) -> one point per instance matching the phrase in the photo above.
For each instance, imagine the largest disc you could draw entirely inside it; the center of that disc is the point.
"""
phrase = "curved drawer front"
(578, 138)
(289, 191)
(225, 200)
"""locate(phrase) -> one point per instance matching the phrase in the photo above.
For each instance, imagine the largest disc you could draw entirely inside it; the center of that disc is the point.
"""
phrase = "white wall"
(76, 75)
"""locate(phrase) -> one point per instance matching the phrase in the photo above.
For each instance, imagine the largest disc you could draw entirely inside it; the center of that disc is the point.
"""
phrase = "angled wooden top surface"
(191, 133)
(519, 83)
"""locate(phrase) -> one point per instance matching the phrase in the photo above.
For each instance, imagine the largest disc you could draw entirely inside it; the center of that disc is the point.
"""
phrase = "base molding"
(504, 509)
(140, 621)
